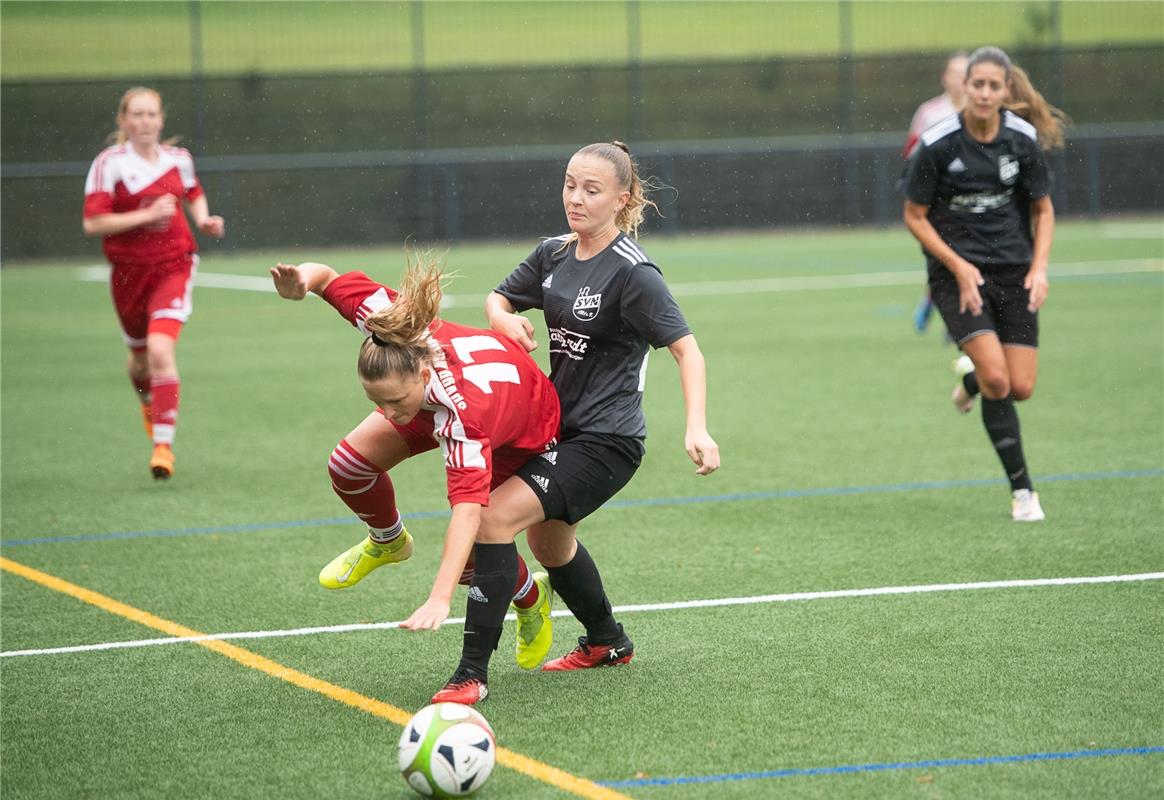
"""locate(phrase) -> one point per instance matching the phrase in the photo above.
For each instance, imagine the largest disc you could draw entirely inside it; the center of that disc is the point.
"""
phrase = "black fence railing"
(374, 197)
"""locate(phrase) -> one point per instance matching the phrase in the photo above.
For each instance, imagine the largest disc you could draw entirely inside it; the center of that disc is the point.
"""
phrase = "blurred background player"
(929, 113)
(606, 305)
(132, 200)
(978, 201)
(474, 394)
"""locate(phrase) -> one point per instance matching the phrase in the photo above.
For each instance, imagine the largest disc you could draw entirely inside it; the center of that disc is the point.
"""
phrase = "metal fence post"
(198, 75)
(422, 172)
(1093, 188)
(1058, 158)
(851, 174)
(452, 203)
(635, 69)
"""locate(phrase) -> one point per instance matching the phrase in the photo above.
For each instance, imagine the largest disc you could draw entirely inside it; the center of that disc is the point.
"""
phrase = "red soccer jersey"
(120, 180)
(928, 114)
(487, 398)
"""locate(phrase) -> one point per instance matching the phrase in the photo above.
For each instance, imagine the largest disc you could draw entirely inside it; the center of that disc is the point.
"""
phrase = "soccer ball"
(447, 750)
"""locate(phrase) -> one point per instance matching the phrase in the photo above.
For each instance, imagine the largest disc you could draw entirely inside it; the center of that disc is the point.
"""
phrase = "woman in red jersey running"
(132, 197)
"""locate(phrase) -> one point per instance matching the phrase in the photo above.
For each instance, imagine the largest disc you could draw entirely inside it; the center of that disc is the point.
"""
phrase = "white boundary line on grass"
(725, 601)
(861, 280)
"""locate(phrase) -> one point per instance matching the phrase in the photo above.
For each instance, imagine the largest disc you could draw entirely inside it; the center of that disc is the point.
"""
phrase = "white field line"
(861, 280)
(1133, 230)
(725, 601)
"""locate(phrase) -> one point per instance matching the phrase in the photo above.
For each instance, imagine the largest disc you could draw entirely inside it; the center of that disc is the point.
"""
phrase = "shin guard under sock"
(580, 587)
(1002, 425)
(494, 574)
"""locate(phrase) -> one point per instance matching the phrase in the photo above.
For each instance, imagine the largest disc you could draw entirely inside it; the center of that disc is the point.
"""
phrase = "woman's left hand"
(702, 450)
(213, 226)
(430, 616)
(1036, 285)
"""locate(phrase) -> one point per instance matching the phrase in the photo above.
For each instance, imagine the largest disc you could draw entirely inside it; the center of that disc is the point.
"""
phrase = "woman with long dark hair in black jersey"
(978, 201)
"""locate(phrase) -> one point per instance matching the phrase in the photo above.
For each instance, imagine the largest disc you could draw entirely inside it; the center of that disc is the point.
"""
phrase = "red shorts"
(417, 434)
(153, 299)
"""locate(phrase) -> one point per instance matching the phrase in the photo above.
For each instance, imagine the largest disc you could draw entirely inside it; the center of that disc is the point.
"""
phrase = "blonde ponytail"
(398, 340)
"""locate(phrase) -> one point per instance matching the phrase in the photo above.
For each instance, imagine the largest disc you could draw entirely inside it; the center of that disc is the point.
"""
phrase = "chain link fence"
(352, 123)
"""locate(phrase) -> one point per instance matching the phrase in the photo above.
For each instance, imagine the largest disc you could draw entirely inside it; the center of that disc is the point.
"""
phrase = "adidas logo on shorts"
(543, 482)
(551, 456)
(475, 593)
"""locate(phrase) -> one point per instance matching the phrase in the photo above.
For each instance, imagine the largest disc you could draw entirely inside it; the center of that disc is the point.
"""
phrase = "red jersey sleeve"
(192, 188)
(468, 458)
(356, 297)
(99, 185)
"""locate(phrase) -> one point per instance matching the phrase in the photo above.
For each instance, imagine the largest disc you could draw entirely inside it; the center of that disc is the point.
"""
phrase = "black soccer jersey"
(602, 313)
(979, 193)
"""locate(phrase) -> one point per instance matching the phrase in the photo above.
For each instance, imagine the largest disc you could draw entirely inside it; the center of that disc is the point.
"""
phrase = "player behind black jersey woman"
(978, 200)
(606, 306)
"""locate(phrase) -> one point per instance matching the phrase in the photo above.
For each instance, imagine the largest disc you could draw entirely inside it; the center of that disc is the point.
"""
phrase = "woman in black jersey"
(978, 201)
(605, 306)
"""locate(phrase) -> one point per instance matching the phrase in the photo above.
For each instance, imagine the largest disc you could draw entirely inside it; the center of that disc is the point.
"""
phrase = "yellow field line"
(515, 761)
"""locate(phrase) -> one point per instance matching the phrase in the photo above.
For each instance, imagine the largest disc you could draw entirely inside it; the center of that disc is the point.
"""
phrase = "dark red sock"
(530, 597)
(365, 489)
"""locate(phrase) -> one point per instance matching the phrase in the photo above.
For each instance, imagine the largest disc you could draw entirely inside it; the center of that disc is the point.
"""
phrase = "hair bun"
(621, 146)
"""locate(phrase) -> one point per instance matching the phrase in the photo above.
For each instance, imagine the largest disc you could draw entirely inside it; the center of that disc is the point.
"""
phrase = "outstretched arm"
(458, 547)
(701, 448)
(293, 282)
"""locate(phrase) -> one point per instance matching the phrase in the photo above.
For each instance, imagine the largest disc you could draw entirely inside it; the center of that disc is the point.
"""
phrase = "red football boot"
(463, 688)
(587, 655)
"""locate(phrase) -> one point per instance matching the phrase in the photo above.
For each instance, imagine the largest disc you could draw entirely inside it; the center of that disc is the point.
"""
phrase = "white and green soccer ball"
(447, 750)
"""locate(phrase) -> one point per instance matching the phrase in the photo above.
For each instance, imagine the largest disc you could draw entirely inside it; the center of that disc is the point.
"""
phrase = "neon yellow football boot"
(535, 631)
(350, 567)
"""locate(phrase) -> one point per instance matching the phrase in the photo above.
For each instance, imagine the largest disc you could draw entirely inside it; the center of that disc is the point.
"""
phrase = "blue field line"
(887, 767)
(781, 494)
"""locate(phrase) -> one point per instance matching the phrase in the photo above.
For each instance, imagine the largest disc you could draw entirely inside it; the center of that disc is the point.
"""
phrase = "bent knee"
(552, 551)
(497, 524)
(349, 471)
(994, 383)
(1022, 390)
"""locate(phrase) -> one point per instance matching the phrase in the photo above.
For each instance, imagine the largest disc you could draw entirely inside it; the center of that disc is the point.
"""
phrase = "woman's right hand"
(163, 208)
(428, 617)
(969, 279)
(516, 327)
(289, 281)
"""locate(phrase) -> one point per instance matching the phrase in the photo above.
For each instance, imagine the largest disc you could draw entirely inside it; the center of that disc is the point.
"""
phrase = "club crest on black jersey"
(586, 305)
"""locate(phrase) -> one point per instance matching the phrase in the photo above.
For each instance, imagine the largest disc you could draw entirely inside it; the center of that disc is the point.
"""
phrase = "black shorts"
(1004, 306)
(584, 471)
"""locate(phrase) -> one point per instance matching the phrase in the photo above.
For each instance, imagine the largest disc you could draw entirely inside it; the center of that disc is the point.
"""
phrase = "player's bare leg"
(138, 369)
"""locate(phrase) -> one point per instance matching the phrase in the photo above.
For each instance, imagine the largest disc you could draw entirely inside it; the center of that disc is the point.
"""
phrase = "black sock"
(495, 571)
(580, 587)
(970, 383)
(1002, 425)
